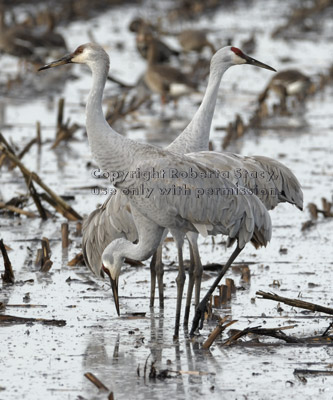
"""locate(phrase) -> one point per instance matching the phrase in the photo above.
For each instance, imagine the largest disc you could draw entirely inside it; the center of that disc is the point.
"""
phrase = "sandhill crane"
(232, 211)
(113, 219)
(275, 183)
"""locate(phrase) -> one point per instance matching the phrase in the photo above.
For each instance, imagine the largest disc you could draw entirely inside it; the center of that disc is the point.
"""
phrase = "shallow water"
(53, 360)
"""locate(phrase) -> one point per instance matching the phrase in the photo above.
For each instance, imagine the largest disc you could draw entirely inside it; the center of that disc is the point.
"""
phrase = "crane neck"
(195, 136)
(121, 248)
(94, 111)
(136, 251)
(107, 146)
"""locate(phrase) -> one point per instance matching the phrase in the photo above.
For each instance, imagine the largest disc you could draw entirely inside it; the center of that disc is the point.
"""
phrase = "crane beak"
(64, 60)
(252, 61)
(114, 285)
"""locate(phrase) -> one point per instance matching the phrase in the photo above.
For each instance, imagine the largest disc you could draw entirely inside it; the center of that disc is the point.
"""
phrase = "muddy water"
(40, 361)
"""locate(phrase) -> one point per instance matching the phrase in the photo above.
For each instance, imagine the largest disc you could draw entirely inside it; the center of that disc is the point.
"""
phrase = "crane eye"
(106, 270)
(79, 50)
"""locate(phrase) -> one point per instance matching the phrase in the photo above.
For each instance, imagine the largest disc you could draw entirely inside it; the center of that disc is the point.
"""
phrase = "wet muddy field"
(71, 328)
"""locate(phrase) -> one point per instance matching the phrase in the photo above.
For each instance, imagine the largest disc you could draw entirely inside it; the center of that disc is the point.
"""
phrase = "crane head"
(85, 54)
(114, 286)
(112, 261)
(241, 58)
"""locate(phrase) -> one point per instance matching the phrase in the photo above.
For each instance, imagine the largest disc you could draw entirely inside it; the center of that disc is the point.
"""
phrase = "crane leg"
(197, 273)
(159, 273)
(180, 288)
(200, 311)
(151, 242)
(152, 279)
(189, 288)
(156, 270)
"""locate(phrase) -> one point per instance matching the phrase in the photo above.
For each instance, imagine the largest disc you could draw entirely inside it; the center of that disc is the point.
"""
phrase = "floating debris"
(52, 198)
(77, 260)
(64, 131)
(4, 306)
(312, 372)
(295, 302)
(17, 210)
(8, 276)
(43, 260)
(124, 105)
(64, 235)
(272, 332)
(217, 331)
(92, 378)
(11, 319)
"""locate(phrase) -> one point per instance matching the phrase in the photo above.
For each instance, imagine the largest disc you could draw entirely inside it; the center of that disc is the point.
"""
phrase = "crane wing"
(190, 193)
(271, 181)
(110, 221)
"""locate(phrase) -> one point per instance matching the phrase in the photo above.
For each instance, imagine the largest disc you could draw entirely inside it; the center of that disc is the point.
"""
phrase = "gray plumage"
(272, 182)
(112, 220)
(194, 138)
(233, 211)
(269, 179)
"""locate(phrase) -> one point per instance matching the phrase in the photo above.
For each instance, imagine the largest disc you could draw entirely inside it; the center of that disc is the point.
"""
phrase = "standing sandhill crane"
(232, 211)
(113, 219)
(273, 182)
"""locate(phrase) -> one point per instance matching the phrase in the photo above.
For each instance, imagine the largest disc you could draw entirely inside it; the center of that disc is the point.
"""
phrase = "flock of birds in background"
(172, 82)
(134, 227)
(36, 38)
